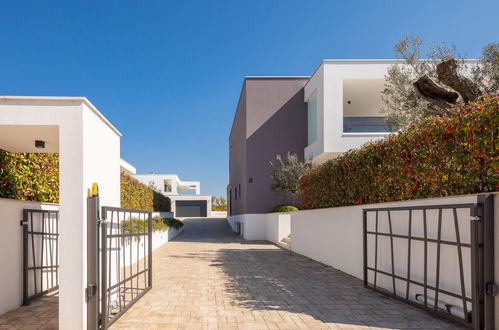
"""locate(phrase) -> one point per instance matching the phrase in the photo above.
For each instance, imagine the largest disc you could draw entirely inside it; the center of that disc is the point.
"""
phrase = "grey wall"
(275, 123)
(237, 156)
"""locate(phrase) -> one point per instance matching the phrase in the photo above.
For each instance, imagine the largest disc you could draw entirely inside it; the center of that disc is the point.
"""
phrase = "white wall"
(328, 82)
(271, 227)
(219, 214)
(278, 226)
(89, 152)
(11, 257)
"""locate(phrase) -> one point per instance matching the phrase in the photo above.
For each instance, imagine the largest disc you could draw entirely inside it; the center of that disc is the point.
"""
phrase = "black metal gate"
(438, 258)
(40, 253)
(120, 261)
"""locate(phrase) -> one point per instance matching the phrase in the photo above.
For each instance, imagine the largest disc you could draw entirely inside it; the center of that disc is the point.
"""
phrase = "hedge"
(29, 176)
(441, 156)
(35, 177)
(284, 208)
(135, 195)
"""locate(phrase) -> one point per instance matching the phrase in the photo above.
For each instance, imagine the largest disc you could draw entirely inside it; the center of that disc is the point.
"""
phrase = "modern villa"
(317, 117)
(185, 196)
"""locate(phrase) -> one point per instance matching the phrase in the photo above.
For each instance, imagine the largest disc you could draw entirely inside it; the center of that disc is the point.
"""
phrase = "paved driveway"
(208, 278)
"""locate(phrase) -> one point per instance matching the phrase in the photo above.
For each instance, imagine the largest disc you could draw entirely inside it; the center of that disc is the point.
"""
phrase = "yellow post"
(95, 189)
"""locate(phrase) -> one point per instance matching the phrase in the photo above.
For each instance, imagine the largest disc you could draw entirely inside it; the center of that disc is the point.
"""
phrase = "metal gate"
(120, 261)
(438, 258)
(40, 253)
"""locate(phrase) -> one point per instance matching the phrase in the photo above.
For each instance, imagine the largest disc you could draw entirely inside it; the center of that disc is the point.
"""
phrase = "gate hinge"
(24, 222)
(90, 291)
(490, 289)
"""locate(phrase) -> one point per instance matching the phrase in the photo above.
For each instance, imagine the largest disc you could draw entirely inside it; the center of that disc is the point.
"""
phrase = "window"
(235, 195)
(312, 119)
(239, 190)
(168, 185)
(365, 124)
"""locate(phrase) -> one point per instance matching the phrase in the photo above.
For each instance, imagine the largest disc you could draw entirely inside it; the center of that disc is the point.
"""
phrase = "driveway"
(209, 278)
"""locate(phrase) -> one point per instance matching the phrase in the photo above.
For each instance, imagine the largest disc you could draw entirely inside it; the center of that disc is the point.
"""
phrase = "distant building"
(183, 203)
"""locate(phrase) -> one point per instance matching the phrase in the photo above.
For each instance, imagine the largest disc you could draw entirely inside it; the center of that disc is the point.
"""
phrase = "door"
(191, 208)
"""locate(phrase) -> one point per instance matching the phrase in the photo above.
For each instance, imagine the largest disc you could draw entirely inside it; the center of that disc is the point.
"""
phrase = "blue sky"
(168, 74)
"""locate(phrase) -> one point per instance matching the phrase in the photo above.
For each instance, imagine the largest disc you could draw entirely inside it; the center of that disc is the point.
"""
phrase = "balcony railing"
(365, 124)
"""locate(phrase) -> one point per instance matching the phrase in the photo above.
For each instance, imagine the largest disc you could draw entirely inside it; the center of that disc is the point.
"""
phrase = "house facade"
(317, 117)
(185, 196)
(270, 120)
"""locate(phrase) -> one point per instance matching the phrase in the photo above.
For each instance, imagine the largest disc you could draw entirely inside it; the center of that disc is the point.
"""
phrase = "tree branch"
(435, 94)
(448, 74)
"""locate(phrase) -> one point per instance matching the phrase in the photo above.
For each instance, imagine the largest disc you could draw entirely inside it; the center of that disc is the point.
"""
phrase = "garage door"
(191, 208)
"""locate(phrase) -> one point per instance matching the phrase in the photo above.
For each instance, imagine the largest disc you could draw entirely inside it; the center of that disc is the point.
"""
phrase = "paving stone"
(208, 278)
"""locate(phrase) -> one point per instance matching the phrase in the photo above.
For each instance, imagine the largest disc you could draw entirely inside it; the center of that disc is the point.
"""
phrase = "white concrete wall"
(271, 227)
(219, 214)
(328, 81)
(11, 213)
(278, 226)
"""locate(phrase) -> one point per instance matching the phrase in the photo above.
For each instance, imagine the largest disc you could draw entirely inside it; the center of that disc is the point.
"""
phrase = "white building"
(343, 106)
(185, 196)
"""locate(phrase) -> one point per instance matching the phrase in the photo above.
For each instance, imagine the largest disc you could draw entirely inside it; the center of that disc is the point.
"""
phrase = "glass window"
(365, 124)
(312, 119)
(168, 186)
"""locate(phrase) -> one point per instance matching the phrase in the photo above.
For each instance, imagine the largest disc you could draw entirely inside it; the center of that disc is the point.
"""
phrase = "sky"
(168, 74)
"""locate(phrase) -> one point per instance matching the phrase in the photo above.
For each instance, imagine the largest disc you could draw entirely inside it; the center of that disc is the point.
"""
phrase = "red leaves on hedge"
(452, 155)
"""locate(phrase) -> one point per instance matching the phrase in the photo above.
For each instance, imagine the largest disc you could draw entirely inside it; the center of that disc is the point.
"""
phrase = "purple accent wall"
(271, 119)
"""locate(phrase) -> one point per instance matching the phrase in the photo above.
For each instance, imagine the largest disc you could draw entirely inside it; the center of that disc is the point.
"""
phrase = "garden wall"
(11, 257)
(334, 236)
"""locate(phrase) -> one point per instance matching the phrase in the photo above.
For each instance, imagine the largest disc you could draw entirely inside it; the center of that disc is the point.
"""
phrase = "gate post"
(488, 272)
(24, 224)
(91, 294)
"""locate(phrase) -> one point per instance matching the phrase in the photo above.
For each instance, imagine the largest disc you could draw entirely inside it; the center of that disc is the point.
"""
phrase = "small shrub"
(173, 223)
(442, 156)
(284, 208)
(219, 207)
(141, 226)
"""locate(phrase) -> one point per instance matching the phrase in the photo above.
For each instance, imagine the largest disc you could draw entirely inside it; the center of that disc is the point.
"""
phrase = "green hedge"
(284, 208)
(29, 176)
(35, 177)
(135, 195)
(452, 155)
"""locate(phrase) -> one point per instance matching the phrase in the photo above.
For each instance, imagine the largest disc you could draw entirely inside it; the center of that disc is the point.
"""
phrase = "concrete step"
(284, 245)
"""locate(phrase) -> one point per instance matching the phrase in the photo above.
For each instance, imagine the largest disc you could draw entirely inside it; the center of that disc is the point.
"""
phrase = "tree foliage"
(218, 203)
(286, 174)
(417, 88)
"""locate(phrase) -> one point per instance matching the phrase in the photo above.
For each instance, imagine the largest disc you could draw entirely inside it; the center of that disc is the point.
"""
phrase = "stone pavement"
(208, 278)
(40, 314)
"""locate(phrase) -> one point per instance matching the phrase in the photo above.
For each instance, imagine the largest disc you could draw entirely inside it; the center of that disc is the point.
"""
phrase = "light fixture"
(40, 144)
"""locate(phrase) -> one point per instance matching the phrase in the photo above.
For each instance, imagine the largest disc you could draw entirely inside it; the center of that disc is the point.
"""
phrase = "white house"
(185, 196)
(343, 106)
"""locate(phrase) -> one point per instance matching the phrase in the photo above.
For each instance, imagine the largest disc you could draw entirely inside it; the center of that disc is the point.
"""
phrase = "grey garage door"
(191, 208)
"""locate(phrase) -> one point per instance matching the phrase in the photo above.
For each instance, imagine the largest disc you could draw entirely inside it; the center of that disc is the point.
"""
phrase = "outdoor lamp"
(40, 144)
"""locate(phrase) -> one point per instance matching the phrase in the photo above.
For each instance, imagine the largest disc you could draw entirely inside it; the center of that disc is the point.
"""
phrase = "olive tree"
(417, 88)
(286, 174)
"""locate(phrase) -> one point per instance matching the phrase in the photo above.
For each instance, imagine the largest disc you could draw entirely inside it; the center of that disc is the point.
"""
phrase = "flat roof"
(80, 99)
